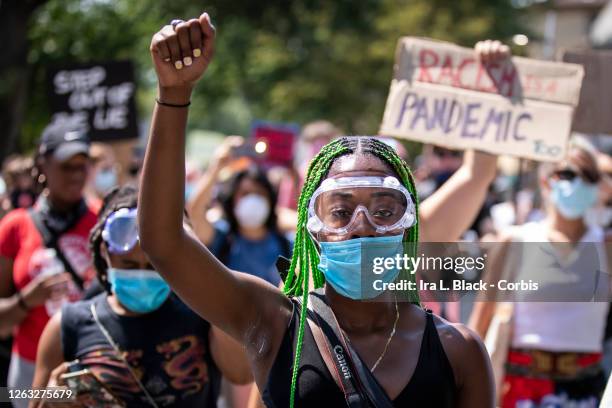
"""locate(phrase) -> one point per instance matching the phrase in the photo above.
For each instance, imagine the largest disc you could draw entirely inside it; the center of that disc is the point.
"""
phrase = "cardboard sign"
(95, 98)
(593, 112)
(442, 94)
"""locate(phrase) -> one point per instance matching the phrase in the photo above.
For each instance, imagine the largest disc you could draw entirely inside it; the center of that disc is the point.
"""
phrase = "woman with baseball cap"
(44, 252)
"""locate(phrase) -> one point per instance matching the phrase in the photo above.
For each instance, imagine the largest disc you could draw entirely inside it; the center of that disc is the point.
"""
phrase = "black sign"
(96, 98)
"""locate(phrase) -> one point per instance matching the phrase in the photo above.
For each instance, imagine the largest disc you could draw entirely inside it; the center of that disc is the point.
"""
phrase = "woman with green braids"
(358, 200)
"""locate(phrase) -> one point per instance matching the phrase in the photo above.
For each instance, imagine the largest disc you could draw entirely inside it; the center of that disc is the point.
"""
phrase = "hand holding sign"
(481, 164)
(181, 53)
(491, 50)
(445, 95)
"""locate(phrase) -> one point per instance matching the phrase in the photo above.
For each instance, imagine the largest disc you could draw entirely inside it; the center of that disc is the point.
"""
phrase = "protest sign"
(593, 112)
(277, 141)
(442, 94)
(95, 98)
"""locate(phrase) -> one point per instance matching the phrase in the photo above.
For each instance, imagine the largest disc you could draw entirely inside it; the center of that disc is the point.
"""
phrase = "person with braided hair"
(409, 356)
(138, 339)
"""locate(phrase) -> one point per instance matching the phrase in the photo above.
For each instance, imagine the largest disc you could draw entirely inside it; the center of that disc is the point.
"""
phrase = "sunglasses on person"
(570, 174)
(446, 153)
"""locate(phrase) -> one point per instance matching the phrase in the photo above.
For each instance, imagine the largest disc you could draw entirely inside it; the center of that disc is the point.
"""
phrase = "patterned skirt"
(538, 379)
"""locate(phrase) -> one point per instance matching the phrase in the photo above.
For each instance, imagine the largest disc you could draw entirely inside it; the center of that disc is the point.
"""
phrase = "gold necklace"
(389, 339)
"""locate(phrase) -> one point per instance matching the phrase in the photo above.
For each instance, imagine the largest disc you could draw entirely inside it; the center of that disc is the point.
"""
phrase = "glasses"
(570, 174)
(121, 231)
(443, 153)
(338, 203)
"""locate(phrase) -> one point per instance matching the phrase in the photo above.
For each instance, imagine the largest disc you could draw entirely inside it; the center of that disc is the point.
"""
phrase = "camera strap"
(121, 355)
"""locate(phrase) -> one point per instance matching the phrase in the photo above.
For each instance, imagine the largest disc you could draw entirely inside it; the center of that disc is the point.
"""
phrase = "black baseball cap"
(63, 143)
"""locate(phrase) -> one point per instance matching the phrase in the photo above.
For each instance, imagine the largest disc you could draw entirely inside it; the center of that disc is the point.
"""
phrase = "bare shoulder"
(457, 336)
(463, 348)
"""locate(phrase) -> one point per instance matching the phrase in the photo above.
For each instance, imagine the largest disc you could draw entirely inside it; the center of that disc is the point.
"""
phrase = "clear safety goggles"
(384, 201)
(121, 231)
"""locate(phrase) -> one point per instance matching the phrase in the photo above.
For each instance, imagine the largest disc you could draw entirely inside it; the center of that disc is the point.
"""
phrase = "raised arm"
(485, 304)
(202, 196)
(245, 307)
(448, 212)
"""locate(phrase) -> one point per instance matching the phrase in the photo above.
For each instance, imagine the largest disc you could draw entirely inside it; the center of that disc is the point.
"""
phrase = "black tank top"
(169, 347)
(432, 384)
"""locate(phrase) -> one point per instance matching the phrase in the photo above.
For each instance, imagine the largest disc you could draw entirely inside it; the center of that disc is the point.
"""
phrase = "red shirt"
(21, 242)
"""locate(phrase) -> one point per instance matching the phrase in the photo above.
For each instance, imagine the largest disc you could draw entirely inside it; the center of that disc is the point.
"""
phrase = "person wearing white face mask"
(250, 225)
(250, 222)
(104, 175)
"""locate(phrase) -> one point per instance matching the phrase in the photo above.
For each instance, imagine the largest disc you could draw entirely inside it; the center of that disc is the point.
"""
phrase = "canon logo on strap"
(342, 361)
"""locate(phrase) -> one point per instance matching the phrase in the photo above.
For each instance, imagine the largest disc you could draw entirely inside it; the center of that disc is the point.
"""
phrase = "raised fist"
(181, 52)
(491, 51)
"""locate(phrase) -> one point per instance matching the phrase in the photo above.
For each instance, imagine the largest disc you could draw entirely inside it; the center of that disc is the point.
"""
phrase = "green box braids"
(305, 257)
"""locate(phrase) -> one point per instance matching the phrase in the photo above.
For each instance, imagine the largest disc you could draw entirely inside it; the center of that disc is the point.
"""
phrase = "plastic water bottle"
(51, 265)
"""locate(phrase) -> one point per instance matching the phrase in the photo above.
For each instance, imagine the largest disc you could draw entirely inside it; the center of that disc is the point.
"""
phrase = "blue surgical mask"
(342, 263)
(573, 198)
(105, 180)
(141, 291)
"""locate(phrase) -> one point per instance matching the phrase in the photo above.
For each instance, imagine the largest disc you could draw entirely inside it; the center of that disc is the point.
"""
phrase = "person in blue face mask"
(342, 207)
(413, 358)
(137, 339)
(565, 319)
(104, 175)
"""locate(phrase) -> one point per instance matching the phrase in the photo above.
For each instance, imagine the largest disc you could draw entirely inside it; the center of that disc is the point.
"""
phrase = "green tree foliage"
(288, 60)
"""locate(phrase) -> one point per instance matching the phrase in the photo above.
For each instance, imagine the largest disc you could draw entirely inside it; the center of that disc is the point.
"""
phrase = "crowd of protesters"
(205, 308)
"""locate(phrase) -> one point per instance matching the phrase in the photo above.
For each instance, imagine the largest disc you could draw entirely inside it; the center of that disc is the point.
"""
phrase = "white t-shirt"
(558, 316)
